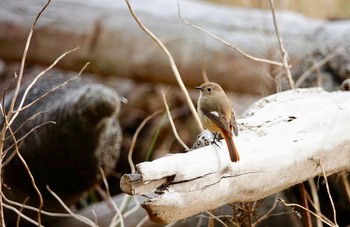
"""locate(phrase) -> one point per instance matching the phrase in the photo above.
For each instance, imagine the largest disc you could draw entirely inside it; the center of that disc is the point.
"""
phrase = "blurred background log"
(116, 46)
(82, 136)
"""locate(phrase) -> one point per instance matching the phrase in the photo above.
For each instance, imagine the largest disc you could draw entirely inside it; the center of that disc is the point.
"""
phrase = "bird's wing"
(218, 118)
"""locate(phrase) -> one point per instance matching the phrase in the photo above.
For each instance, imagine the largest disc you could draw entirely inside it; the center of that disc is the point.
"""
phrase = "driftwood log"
(64, 137)
(284, 140)
(109, 37)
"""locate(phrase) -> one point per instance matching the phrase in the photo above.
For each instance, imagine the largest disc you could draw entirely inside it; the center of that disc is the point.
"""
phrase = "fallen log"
(284, 140)
(111, 40)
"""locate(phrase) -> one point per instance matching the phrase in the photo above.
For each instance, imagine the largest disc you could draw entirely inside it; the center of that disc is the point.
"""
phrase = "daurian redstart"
(215, 111)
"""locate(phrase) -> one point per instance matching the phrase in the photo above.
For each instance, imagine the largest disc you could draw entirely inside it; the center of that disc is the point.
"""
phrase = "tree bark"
(109, 38)
(284, 140)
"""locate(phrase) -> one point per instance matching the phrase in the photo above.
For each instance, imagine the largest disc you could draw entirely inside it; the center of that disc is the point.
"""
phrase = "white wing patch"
(215, 113)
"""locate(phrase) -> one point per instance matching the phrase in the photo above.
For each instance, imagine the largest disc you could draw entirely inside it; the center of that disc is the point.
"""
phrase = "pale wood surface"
(284, 140)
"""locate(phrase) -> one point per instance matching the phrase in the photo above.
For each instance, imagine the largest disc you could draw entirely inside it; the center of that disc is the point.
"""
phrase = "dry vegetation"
(150, 132)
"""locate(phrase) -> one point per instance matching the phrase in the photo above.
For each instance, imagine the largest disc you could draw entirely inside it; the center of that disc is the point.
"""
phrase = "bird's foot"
(216, 139)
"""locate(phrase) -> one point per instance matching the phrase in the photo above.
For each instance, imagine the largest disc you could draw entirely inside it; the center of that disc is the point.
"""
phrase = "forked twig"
(172, 123)
(172, 64)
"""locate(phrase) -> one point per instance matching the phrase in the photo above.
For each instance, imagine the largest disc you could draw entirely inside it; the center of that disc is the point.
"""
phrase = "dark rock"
(64, 155)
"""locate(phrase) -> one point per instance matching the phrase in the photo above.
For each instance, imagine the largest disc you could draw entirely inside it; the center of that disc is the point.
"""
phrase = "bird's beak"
(199, 88)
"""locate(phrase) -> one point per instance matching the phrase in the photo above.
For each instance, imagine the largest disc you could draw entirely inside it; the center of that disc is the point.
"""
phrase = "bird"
(216, 114)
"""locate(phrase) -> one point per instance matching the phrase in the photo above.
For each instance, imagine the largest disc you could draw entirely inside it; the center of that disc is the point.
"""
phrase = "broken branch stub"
(283, 140)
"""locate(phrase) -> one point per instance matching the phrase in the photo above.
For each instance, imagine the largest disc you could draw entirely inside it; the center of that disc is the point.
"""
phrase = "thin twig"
(134, 138)
(24, 57)
(261, 60)
(22, 138)
(216, 218)
(172, 64)
(172, 123)
(329, 193)
(41, 201)
(267, 214)
(303, 194)
(317, 65)
(316, 201)
(109, 198)
(129, 212)
(76, 216)
(21, 210)
(22, 215)
(9, 114)
(284, 53)
(19, 108)
(204, 67)
(303, 208)
(51, 214)
(346, 184)
(143, 221)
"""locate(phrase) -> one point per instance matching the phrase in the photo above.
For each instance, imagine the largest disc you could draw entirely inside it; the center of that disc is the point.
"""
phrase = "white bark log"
(110, 39)
(282, 140)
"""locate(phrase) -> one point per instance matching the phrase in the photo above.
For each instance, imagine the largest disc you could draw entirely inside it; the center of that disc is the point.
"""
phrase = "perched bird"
(216, 114)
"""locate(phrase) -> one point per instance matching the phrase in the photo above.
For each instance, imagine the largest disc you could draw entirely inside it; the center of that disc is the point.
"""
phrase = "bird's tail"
(231, 147)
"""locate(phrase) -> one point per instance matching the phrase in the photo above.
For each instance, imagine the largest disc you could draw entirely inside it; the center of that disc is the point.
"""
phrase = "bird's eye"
(209, 89)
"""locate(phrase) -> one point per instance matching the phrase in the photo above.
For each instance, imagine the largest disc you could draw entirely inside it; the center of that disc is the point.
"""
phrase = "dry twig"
(172, 64)
(284, 53)
(10, 112)
(317, 65)
(134, 138)
(172, 123)
(328, 191)
(315, 201)
(303, 208)
(76, 216)
(261, 60)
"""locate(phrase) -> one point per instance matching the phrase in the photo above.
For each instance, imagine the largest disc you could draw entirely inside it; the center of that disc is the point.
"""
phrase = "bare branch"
(334, 53)
(303, 208)
(41, 202)
(284, 53)
(19, 108)
(346, 185)
(316, 201)
(76, 216)
(21, 215)
(22, 138)
(261, 60)
(172, 123)
(134, 138)
(318, 161)
(172, 64)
